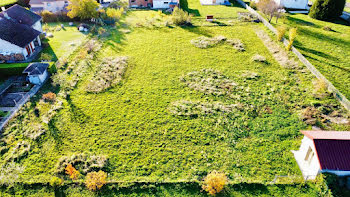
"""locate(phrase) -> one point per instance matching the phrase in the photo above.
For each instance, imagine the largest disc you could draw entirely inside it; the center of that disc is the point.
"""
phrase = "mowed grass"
(7, 2)
(328, 51)
(131, 123)
(63, 42)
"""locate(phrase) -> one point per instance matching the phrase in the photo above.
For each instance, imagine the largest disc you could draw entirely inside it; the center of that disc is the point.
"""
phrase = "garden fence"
(337, 94)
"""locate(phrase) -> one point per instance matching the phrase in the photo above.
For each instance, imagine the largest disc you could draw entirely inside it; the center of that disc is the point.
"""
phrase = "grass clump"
(281, 31)
(236, 43)
(108, 74)
(209, 81)
(180, 17)
(19, 151)
(259, 58)
(83, 162)
(190, 108)
(10, 173)
(205, 42)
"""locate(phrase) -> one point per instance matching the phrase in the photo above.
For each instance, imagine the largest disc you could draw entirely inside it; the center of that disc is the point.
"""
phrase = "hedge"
(7, 70)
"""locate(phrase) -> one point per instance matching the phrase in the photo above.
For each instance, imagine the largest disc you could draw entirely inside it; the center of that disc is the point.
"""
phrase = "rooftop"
(21, 15)
(330, 135)
(36, 68)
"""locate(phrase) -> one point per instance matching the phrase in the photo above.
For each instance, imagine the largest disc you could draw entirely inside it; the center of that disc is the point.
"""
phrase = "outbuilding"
(324, 151)
(292, 4)
(37, 73)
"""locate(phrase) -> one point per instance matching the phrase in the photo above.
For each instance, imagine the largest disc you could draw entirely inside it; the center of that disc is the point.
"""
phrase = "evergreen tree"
(327, 10)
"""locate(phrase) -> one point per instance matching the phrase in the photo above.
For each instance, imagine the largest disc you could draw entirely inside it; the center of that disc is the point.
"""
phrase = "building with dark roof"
(37, 72)
(19, 32)
(324, 151)
(49, 5)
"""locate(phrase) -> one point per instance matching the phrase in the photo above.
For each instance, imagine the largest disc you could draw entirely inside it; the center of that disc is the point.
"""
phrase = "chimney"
(3, 8)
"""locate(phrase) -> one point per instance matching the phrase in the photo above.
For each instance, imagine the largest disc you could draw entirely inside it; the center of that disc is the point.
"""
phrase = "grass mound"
(83, 162)
(109, 73)
(236, 43)
(205, 42)
(191, 108)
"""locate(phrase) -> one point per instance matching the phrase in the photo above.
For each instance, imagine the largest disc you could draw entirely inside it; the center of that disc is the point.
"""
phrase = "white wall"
(295, 4)
(161, 4)
(54, 6)
(37, 26)
(212, 2)
(7, 47)
(38, 79)
(308, 169)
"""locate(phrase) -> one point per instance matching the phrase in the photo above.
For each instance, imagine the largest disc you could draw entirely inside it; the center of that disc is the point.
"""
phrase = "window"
(166, 2)
(309, 155)
(48, 4)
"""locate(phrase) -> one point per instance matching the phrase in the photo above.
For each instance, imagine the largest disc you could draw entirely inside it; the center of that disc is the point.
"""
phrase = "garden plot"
(249, 113)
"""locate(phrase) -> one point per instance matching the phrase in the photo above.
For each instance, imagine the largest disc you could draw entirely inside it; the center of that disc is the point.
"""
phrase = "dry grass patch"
(108, 74)
(205, 42)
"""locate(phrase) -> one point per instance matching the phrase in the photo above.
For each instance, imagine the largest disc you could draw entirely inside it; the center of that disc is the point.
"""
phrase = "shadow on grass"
(78, 115)
(47, 50)
(198, 30)
(184, 6)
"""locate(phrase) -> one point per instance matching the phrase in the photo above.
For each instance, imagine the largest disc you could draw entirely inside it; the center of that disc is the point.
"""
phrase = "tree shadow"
(198, 30)
(323, 37)
(184, 6)
(315, 52)
(54, 131)
(77, 114)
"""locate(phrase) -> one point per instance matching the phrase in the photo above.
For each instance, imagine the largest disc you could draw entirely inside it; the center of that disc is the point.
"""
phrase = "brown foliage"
(72, 172)
(269, 8)
(49, 97)
(95, 180)
(214, 182)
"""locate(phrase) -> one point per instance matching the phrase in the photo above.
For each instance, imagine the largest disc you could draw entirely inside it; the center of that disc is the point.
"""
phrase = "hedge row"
(7, 70)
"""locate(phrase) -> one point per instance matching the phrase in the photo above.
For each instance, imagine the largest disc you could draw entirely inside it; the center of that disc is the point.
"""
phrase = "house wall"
(38, 79)
(292, 4)
(161, 4)
(7, 47)
(37, 26)
(309, 169)
(140, 3)
(212, 2)
(55, 6)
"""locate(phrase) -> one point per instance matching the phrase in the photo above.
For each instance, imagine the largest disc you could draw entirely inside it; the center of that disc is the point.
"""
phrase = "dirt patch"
(277, 52)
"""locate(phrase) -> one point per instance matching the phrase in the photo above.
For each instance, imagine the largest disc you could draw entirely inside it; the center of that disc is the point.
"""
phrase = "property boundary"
(337, 94)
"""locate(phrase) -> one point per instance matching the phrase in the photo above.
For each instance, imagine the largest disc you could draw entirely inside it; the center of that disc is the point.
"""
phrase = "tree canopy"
(84, 9)
(327, 9)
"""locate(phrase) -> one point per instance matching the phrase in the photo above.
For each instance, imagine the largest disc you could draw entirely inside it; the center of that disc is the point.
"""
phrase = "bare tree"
(269, 7)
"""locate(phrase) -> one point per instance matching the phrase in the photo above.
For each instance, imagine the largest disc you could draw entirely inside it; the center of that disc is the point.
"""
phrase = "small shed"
(324, 151)
(37, 73)
(210, 18)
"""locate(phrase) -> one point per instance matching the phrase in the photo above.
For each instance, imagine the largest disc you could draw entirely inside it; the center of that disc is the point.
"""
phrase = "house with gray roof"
(49, 5)
(19, 33)
(37, 73)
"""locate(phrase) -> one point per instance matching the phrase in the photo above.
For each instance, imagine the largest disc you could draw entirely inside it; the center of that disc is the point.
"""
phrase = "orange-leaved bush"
(95, 180)
(49, 97)
(214, 182)
(72, 172)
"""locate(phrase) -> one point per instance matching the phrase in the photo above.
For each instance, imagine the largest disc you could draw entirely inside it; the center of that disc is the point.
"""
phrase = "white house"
(49, 5)
(292, 4)
(324, 151)
(165, 4)
(37, 73)
(19, 32)
(212, 2)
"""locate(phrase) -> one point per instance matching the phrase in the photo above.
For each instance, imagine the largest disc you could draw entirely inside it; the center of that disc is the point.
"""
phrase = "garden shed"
(37, 73)
(324, 151)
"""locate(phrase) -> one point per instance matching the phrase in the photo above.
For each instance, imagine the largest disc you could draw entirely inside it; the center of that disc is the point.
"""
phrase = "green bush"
(327, 9)
(180, 17)
(2, 114)
(7, 70)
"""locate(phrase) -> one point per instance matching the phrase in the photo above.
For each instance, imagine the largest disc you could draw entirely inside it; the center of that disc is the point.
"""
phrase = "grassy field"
(133, 126)
(328, 51)
(64, 41)
(7, 2)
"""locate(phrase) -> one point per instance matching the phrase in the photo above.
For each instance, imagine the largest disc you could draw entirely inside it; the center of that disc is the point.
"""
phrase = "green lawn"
(132, 125)
(64, 41)
(7, 2)
(328, 51)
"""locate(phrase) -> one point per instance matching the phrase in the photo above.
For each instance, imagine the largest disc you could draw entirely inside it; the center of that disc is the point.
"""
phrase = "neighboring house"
(37, 73)
(19, 32)
(155, 4)
(324, 151)
(49, 5)
(212, 2)
(292, 4)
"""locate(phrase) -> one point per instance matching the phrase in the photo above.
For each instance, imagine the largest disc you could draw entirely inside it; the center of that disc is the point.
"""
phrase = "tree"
(84, 9)
(95, 180)
(269, 7)
(327, 9)
(214, 182)
(72, 172)
(24, 3)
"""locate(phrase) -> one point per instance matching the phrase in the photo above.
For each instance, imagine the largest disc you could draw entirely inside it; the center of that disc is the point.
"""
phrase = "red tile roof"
(332, 149)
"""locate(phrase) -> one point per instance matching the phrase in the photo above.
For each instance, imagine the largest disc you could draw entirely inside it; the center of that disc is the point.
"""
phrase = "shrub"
(72, 172)
(47, 16)
(86, 163)
(292, 35)
(49, 97)
(95, 180)
(19, 151)
(281, 31)
(84, 9)
(327, 9)
(56, 182)
(180, 17)
(214, 182)
(115, 13)
(9, 173)
(45, 57)
(2, 114)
